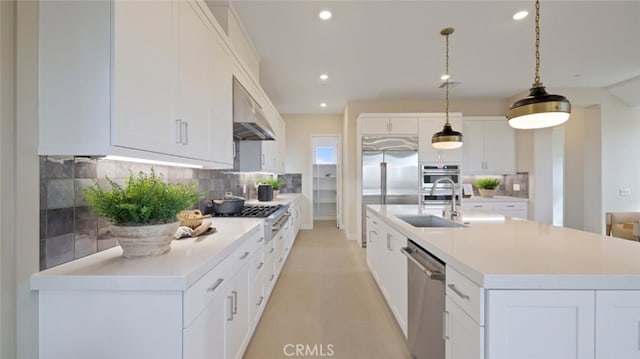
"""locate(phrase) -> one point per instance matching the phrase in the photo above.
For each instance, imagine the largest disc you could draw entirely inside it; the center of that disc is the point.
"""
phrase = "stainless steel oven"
(435, 190)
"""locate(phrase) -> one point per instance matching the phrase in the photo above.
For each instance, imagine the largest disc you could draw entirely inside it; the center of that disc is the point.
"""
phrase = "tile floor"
(327, 298)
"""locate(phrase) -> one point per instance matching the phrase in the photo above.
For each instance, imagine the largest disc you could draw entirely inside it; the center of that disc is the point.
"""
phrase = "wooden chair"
(623, 225)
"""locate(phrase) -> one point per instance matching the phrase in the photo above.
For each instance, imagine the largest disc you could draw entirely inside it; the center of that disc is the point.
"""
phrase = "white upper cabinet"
(429, 125)
(489, 146)
(110, 86)
(389, 126)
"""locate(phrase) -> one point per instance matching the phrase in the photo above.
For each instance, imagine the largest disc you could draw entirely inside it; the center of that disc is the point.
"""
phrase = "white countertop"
(187, 261)
(495, 199)
(500, 252)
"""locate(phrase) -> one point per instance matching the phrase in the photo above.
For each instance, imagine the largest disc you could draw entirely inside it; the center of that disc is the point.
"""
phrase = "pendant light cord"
(537, 78)
(446, 84)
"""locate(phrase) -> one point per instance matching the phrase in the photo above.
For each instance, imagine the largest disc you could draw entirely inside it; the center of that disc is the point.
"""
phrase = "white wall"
(27, 171)
(299, 129)
(7, 182)
(351, 163)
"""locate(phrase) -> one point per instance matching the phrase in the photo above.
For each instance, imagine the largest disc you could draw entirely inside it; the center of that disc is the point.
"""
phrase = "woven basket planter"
(143, 241)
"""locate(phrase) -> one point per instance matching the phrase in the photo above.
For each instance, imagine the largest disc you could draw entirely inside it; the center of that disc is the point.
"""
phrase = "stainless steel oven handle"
(432, 274)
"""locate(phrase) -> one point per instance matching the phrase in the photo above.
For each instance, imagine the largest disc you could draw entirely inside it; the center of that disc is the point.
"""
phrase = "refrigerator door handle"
(383, 183)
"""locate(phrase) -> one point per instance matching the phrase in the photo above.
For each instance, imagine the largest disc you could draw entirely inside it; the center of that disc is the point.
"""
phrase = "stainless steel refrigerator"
(389, 172)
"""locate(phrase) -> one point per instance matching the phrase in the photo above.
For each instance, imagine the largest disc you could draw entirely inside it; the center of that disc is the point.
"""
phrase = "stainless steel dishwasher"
(426, 303)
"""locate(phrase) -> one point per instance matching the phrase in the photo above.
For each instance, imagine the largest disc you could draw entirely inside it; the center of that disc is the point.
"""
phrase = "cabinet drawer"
(466, 294)
(509, 206)
(204, 290)
(476, 205)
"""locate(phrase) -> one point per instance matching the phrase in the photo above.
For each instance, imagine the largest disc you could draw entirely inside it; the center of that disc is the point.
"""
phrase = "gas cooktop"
(254, 211)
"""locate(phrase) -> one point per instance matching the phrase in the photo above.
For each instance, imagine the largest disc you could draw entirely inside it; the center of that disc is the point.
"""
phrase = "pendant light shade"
(539, 109)
(447, 139)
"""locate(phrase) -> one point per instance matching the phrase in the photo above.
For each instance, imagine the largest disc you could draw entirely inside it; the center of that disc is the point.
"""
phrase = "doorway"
(326, 178)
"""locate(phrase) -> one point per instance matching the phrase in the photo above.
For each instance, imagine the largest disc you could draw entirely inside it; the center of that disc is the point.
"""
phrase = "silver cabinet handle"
(389, 241)
(178, 131)
(215, 285)
(271, 251)
(458, 292)
(510, 206)
(260, 301)
(432, 274)
(261, 239)
(477, 206)
(280, 260)
(445, 325)
(235, 302)
(244, 255)
(260, 265)
(186, 133)
(270, 279)
(230, 308)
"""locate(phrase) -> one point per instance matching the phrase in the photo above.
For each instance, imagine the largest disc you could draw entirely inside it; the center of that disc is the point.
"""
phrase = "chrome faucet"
(454, 213)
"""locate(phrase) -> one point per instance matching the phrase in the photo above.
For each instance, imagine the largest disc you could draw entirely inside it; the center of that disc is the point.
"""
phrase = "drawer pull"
(260, 265)
(271, 251)
(445, 325)
(261, 239)
(477, 206)
(280, 260)
(215, 285)
(272, 276)
(244, 255)
(458, 292)
(235, 302)
(374, 222)
(260, 301)
(510, 206)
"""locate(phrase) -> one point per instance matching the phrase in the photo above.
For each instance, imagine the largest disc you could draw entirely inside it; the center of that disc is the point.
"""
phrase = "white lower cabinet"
(238, 315)
(517, 209)
(532, 324)
(464, 338)
(389, 266)
(618, 324)
(205, 337)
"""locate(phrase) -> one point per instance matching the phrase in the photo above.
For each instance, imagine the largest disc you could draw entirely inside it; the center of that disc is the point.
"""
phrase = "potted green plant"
(487, 186)
(143, 211)
(275, 183)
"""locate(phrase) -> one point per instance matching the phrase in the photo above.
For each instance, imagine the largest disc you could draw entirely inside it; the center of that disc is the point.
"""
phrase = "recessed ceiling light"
(325, 14)
(324, 104)
(324, 77)
(445, 77)
(520, 15)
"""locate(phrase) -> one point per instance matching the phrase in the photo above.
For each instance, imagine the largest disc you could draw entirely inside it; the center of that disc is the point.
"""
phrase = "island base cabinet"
(618, 329)
(532, 324)
(133, 324)
(464, 338)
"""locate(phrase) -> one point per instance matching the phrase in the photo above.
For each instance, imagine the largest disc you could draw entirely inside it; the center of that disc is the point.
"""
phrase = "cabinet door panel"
(195, 79)
(473, 148)
(618, 330)
(239, 327)
(375, 126)
(540, 324)
(403, 126)
(222, 112)
(144, 76)
(464, 337)
(205, 338)
(499, 147)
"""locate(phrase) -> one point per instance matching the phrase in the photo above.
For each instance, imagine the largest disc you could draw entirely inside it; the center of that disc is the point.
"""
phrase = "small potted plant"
(275, 183)
(143, 212)
(487, 186)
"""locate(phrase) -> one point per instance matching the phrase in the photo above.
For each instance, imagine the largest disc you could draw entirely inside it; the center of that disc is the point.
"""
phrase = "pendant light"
(539, 109)
(447, 139)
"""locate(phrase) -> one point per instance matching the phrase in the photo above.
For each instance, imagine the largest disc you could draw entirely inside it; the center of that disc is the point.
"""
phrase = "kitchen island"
(521, 289)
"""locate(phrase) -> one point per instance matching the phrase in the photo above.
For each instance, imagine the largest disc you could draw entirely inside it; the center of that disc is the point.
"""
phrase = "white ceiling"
(393, 49)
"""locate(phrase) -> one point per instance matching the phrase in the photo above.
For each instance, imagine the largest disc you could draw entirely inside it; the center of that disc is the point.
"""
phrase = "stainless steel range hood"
(249, 122)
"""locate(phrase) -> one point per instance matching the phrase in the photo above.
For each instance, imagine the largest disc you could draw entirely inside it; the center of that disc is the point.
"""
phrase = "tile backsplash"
(69, 229)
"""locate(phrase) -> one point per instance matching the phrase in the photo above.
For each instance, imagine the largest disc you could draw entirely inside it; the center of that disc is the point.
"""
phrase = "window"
(325, 155)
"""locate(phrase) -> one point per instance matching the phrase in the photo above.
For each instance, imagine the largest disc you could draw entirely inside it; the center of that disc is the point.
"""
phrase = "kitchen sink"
(428, 220)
